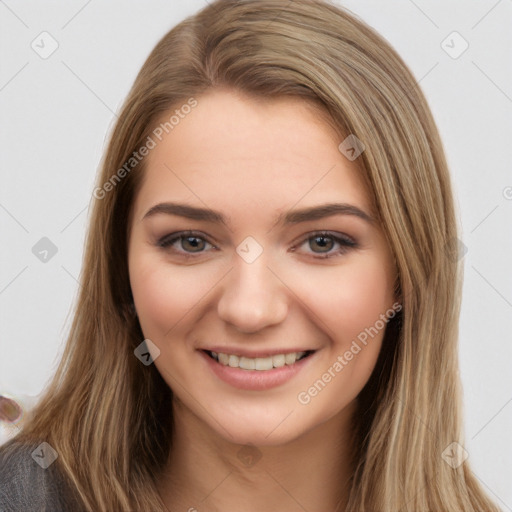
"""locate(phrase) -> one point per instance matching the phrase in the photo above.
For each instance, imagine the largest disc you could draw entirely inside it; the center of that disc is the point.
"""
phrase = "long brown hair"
(109, 417)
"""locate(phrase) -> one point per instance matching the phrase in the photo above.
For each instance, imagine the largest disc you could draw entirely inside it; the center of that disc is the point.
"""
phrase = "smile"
(257, 373)
(258, 363)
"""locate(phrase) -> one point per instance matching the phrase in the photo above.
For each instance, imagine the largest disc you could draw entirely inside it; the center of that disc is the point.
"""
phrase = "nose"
(252, 297)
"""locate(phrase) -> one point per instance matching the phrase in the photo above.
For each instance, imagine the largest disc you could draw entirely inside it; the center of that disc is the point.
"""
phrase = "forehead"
(235, 150)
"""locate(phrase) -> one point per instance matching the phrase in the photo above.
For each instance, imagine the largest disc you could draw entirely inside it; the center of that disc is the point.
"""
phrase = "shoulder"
(30, 480)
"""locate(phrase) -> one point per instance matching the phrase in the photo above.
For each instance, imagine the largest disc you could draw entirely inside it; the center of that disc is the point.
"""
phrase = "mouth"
(258, 363)
(268, 371)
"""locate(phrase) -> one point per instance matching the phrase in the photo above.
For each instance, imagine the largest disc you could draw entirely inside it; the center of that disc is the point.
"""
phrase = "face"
(243, 264)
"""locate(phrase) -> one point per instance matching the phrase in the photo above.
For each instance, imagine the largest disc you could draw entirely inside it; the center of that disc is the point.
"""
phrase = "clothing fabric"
(27, 486)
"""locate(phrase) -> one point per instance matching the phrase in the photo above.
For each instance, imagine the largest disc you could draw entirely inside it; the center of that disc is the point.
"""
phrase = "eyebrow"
(291, 217)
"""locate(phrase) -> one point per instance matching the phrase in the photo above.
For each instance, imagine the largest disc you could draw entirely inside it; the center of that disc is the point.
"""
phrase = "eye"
(326, 241)
(189, 242)
(323, 244)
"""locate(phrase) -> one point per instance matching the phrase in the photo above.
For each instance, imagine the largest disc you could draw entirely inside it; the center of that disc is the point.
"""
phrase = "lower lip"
(256, 380)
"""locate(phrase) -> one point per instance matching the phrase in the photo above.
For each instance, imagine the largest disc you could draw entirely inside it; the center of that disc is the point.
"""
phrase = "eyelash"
(346, 243)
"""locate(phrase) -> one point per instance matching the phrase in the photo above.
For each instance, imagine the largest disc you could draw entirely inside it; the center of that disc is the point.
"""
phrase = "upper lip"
(255, 353)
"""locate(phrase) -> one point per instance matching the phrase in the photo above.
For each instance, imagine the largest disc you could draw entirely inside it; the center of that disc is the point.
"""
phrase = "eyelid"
(168, 240)
(331, 234)
(346, 242)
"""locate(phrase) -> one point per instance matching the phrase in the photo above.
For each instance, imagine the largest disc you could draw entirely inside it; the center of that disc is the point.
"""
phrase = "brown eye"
(324, 243)
(192, 242)
(184, 243)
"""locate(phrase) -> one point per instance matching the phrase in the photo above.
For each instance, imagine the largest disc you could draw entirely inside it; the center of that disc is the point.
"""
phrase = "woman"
(268, 312)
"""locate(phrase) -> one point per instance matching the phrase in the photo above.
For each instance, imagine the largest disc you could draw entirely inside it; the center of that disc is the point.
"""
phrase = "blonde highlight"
(109, 417)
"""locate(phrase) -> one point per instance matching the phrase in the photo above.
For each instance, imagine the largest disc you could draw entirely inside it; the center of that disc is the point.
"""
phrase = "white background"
(56, 112)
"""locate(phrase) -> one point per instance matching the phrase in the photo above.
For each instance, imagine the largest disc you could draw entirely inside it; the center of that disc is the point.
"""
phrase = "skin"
(10, 411)
(253, 160)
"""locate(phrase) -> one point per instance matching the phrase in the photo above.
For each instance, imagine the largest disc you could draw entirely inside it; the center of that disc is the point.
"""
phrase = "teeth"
(278, 361)
(264, 363)
(223, 358)
(289, 358)
(247, 363)
(257, 363)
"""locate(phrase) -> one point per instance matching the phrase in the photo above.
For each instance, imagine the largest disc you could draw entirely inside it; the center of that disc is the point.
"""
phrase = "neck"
(207, 473)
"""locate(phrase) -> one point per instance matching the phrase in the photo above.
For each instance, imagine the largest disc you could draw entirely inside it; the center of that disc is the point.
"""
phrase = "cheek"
(349, 307)
(163, 294)
(349, 299)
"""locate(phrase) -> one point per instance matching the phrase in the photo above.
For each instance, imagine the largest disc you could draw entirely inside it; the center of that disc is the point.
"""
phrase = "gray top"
(31, 481)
